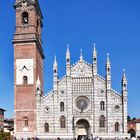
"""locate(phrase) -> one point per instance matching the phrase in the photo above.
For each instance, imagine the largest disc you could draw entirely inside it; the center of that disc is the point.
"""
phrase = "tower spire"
(55, 74)
(108, 72)
(55, 63)
(68, 61)
(81, 55)
(124, 101)
(94, 51)
(124, 81)
(108, 60)
(38, 84)
(68, 52)
(94, 57)
(124, 75)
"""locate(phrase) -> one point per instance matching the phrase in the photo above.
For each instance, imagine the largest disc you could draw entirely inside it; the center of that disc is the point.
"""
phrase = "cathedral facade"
(81, 103)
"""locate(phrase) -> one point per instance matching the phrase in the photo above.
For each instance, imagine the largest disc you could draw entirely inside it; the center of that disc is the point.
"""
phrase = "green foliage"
(4, 136)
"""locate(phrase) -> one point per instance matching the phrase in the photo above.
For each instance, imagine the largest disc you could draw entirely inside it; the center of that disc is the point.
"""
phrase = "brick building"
(9, 125)
(2, 119)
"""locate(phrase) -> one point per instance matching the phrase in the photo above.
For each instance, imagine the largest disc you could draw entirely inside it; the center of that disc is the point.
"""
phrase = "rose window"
(116, 108)
(82, 103)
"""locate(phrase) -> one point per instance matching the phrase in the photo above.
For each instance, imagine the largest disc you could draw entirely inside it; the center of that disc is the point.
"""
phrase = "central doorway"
(82, 129)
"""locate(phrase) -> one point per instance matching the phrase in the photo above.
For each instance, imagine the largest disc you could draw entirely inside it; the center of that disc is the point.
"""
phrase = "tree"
(133, 119)
(128, 118)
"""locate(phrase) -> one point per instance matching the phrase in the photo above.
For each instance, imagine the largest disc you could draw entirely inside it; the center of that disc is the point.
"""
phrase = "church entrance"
(82, 129)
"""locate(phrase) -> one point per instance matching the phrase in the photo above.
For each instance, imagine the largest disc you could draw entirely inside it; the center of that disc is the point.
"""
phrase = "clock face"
(24, 67)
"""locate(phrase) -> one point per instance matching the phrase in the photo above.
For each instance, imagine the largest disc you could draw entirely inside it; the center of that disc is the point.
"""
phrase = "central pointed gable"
(81, 69)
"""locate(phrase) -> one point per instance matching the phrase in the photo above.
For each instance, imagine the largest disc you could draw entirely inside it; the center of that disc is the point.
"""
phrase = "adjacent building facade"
(81, 103)
(134, 128)
(2, 119)
(9, 125)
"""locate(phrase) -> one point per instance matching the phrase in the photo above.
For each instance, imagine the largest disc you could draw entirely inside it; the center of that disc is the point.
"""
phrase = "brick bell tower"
(28, 66)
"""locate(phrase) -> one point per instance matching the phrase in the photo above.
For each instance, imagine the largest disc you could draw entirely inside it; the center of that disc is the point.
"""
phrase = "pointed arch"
(46, 127)
(117, 125)
(61, 106)
(62, 122)
(102, 105)
(102, 121)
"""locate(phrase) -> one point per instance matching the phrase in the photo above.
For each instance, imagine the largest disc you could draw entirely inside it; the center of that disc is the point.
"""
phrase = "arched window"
(61, 106)
(26, 121)
(102, 121)
(62, 122)
(108, 69)
(117, 127)
(68, 60)
(102, 105)
(25, 18)
(46, 127)
(25, 80)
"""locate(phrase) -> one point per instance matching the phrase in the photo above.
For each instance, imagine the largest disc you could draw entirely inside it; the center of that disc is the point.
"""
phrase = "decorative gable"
(81, 69)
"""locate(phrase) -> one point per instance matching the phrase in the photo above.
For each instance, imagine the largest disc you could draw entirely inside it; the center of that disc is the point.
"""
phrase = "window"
(61, 106)
(55, 71)
(62, 122)
(116, 127)
(26, 121)
(25, 18)
(46, 127)
(102, 121)
(102, 105)
(62, 91)
(25, 80)
(68, 60)
(108, 69)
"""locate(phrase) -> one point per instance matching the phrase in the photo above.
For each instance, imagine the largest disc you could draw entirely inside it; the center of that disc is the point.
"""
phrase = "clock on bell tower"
(28, 65)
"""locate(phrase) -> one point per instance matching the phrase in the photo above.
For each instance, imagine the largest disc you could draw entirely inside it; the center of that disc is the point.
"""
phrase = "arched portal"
(82, 128)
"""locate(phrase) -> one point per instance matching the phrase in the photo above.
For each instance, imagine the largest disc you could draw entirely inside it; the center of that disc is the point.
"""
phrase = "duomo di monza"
(81, 103)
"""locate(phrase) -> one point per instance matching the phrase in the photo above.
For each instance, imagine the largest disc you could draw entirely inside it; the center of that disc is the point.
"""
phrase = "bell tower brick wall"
(28, 66)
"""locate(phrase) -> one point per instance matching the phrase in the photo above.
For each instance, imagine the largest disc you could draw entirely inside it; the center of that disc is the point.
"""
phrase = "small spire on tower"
(108, 72)
(108, 60)
(94, 52)
(38, 82)
(124, 83)
(55, 63)
(55, 74)
(124, 75)
(38, 85)
(68, 52)
(94, 60)
(81, 55)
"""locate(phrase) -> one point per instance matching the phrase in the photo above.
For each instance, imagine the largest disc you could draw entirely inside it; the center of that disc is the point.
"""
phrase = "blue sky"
(114, 25)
